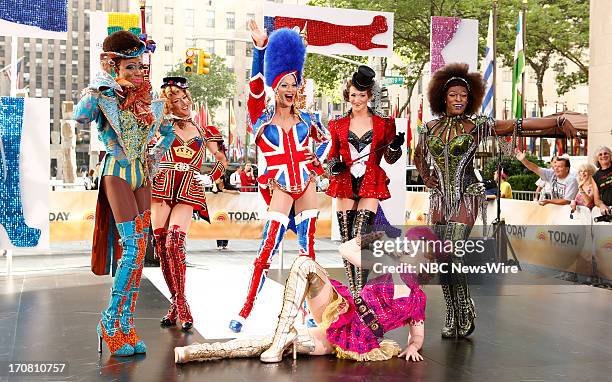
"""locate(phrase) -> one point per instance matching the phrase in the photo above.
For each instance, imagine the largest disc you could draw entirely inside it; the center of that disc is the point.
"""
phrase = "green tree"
(329, 73)
(554, 29)
(214, 87)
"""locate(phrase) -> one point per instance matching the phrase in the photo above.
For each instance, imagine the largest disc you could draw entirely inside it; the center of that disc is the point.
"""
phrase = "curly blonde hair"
(169, 91)
(589, 168)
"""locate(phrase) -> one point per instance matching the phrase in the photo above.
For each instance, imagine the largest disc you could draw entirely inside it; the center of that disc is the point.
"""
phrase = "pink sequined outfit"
(349, 333)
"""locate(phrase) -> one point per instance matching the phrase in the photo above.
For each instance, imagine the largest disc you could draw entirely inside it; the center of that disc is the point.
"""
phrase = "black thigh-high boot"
(346, 219)
(465, 311)
(363, 224)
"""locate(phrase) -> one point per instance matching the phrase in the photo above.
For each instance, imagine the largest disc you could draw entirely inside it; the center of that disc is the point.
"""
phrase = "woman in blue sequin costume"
(444, 157)
(127, 119)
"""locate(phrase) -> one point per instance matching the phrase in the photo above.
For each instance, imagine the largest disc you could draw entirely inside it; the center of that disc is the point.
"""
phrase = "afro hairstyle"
(121, 41)
(439, 84)
(285, 53)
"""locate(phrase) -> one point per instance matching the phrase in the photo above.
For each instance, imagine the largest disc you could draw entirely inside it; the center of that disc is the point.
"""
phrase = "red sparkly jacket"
(375, 180)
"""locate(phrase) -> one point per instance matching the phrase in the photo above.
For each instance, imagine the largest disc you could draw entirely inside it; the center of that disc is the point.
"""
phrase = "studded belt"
(178, 166)
(369, 319)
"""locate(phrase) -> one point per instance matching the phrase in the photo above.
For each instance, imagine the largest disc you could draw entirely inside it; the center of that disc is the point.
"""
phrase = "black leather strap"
(367, 316)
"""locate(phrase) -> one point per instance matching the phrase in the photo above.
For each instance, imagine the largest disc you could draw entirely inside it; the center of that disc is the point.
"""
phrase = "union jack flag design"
(285, 152)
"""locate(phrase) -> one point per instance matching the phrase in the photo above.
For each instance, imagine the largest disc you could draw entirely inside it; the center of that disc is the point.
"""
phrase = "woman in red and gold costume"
(178, 190)
(360, 139)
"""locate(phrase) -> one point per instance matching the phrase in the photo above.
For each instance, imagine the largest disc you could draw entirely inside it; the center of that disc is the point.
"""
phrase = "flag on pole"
(518, 70)
(7, 71)
(396, 110)
(232, 124)
(488, 67)
(420, 117)
(202, 118)
(409, 134)
(231, 127)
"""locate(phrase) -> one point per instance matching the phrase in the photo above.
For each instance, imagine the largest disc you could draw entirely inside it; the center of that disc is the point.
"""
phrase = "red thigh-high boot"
(165, 262)
(175, 244)
(127, 316)
(271, 238)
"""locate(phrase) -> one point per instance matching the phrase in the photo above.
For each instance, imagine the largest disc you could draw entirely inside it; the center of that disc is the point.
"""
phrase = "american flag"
(488, 67)
(7, 71)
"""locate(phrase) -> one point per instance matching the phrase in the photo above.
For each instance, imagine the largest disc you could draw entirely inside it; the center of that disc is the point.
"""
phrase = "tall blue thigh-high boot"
(109, 327)
(11, 207)
(273, 234)
(127, 316)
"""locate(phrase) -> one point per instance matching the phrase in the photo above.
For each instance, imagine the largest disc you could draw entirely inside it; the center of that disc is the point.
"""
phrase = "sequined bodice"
(286, 155)
(185, 151)
(134, 135)
(453, 160)
(274, 134)
(457, 146)
(360, 143)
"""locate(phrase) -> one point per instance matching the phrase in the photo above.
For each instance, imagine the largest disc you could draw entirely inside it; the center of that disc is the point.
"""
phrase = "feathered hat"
(285, 56)
(123, 44)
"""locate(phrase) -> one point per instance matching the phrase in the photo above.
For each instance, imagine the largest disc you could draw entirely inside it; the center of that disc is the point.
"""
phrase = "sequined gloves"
(397, 142)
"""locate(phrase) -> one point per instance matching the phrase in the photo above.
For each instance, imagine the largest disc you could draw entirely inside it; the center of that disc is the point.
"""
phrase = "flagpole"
(494, 58)
(229, 127)
(14, 65)
(525, 55)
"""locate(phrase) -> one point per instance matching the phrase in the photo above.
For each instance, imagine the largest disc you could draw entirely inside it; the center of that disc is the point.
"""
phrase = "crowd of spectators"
(591, 187)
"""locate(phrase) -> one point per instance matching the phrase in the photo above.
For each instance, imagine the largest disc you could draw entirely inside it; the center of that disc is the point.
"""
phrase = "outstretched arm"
(394, 150)
(520, 155)
(551, 125)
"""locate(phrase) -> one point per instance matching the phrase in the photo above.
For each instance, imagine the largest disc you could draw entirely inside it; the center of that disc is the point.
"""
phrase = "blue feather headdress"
(285, 55)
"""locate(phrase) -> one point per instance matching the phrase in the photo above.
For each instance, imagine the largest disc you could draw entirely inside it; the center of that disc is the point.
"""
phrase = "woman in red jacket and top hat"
(360, 139)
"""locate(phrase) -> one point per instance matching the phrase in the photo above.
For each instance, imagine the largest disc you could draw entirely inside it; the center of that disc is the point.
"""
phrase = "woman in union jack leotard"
(283, 134)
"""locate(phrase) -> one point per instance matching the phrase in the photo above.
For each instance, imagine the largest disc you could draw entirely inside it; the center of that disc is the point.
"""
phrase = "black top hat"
(363, 78)
(180, 82)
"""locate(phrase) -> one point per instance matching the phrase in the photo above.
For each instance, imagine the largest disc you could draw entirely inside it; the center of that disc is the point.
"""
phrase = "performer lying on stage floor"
(350, 328)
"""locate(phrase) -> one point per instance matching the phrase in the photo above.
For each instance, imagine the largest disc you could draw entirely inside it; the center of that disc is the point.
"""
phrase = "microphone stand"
(499, 234)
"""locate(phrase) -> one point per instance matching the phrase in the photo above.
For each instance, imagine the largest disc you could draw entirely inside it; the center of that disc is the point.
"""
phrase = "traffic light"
(189, 61)
(203, 62)
(385, 102)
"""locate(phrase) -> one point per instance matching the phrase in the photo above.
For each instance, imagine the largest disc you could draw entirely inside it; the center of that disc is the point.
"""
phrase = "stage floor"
(523, 332)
